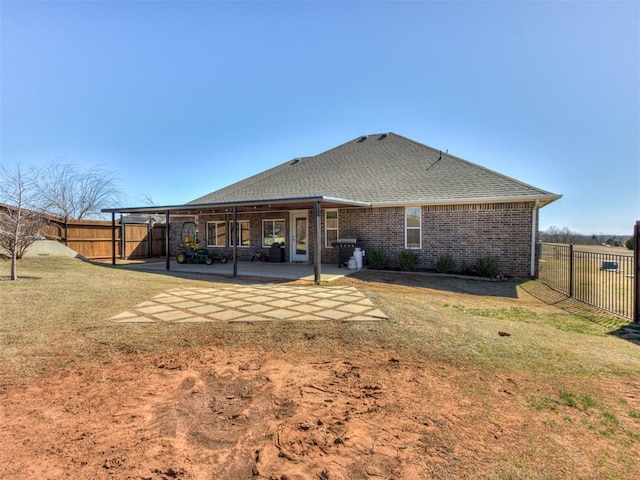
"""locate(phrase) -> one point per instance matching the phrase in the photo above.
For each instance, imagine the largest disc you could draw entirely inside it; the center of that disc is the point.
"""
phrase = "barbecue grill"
(346, 247)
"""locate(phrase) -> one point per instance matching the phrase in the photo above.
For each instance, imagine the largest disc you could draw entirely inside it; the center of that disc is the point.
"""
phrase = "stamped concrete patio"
(242, 303)
(264, 300)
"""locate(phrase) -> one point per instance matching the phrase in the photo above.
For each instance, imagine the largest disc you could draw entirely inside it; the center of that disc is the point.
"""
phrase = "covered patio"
(262, 270)
(315, 204)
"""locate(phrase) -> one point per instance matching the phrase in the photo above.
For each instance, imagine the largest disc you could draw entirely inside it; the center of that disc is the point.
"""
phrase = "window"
(272, 232)
(412, 227)
(244, 239)
(330, 227)
(216, 234)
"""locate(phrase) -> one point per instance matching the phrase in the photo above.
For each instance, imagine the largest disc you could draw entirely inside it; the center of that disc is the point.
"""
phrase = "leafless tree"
(558, 235)
(147, 199)
(20, 222)
(72, 192)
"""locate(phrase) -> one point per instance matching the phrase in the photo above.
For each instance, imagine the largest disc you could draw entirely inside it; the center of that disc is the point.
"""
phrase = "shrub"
(444, 264)
(407, 260)
(376, 259)
(630, 243)
(487, 267)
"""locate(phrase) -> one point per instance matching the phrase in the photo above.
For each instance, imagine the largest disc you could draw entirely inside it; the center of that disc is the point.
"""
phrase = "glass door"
(299, 237)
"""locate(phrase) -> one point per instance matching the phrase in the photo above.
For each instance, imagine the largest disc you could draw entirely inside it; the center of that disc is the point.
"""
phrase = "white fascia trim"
(542, 199)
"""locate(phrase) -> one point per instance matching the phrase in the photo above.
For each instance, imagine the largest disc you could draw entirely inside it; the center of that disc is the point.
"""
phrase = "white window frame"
(216, 223)
(273, 222)
(407, 228)
(327, 229)
(242, 225)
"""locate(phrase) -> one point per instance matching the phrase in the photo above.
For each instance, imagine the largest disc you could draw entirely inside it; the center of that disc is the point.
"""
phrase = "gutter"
(534, 230)
(542, 200)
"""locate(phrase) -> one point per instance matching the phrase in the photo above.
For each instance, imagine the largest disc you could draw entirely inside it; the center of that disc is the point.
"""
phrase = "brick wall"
(465, 232)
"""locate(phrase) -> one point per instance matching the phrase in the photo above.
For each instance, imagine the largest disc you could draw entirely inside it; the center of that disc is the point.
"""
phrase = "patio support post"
(317, 247)
(234, 238)
(123, 239)
(113, 237)
(166, 238)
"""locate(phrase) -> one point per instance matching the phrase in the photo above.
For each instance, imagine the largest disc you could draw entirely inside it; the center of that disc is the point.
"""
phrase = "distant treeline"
(565, 235)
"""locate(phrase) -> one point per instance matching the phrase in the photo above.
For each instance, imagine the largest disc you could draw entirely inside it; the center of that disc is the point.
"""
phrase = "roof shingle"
(381, 169)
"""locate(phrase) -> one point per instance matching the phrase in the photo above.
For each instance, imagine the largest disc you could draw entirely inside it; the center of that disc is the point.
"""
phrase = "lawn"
(468, 379)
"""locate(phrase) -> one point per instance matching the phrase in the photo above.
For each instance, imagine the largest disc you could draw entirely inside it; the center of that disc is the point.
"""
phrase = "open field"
(610, 289)
(436, 392)
(603, 249)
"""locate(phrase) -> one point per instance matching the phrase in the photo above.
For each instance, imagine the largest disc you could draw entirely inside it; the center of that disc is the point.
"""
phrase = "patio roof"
(297, 203)
(317, 203)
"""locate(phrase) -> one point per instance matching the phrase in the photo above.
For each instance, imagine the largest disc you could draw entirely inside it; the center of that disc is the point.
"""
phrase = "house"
(391, 193)
(386, 191)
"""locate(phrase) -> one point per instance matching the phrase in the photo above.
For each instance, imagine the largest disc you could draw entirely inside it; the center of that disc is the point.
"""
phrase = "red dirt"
(242, 414)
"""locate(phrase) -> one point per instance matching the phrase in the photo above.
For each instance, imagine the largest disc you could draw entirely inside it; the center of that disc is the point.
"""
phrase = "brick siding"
(464, 232)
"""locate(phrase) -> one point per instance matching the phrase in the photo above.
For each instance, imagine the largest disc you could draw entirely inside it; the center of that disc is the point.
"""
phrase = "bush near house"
(487, 267)
(407, 260)
(444, 264)
(376, 259)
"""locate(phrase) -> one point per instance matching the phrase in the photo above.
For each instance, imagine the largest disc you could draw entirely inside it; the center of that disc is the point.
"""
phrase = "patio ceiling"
(301, 203)
(315, 203)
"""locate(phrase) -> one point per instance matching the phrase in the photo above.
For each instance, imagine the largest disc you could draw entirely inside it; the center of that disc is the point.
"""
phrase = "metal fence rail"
(602, 280)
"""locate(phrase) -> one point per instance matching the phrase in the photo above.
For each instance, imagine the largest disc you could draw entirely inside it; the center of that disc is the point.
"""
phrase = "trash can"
(276, 253)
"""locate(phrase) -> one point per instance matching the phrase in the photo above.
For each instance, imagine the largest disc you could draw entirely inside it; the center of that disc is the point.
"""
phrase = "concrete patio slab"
(280, 271)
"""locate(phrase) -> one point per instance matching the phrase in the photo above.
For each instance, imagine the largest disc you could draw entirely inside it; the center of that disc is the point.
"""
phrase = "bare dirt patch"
(242, 413)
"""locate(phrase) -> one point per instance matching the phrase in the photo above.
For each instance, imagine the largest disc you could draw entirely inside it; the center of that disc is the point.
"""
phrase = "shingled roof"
(381, 169)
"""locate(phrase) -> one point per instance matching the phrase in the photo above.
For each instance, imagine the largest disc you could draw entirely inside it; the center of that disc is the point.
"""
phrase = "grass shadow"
(449, 283)
(629, 332)
(7, 278)
(213, 276)
(618, 326)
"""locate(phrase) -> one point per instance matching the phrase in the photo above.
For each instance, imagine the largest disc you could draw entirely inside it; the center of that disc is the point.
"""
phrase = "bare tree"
(20, 224)
(148, 199)
(558, 235)
(72, 192)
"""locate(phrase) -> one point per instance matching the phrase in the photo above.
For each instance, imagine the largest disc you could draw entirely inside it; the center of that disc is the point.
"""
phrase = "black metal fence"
(602, 280)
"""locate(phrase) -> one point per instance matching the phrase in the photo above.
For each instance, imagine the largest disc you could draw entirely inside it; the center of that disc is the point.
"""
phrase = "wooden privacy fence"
(93, 238)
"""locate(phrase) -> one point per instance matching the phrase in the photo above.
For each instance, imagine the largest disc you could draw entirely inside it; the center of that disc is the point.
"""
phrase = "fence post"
(113, 238)
(123, 239)
(149, 240)
(571, 270)
(636, 272)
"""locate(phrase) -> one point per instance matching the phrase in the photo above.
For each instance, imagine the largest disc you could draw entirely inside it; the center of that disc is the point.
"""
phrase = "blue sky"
(180, 98)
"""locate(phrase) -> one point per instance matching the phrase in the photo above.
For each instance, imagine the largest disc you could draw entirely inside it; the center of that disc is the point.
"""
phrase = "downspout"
(534, 230)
